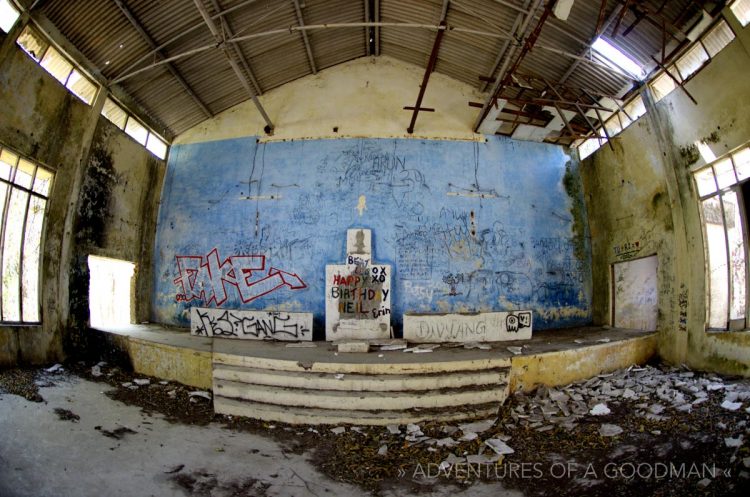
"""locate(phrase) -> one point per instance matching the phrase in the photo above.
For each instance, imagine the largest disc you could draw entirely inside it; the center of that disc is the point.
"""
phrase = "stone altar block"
(358, 293)
(251, 325)
(475, 327)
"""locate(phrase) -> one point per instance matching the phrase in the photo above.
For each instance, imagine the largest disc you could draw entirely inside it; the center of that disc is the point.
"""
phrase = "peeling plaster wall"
(43, 121)
(641, 201)
(362, 98)
(236, 209)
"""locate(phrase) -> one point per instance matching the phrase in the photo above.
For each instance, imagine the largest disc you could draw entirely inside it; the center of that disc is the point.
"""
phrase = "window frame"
(11, 185)
(737, 324)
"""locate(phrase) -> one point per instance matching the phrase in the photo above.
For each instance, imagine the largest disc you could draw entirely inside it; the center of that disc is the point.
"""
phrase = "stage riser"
(314, 397)
(337, 365)
(358, 382)
(298, 415)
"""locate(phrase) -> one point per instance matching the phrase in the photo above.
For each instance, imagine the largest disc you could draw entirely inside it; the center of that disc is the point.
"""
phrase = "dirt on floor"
(698, 451)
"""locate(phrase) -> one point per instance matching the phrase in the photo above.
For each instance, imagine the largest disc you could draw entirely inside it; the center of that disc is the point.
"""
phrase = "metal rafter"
(238, 51)
(349, 25)
(367, 30)
(377, 28)
(238, 71)
(431, 63)
(170, 67)
(423, 87)
(504, 49)
(308, 49)
(505, 75)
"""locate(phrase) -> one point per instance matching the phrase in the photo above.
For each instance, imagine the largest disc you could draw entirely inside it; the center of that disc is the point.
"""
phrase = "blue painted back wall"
(450, 249)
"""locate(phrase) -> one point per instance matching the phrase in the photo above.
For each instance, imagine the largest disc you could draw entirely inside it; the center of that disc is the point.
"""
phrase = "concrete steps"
(358, 392)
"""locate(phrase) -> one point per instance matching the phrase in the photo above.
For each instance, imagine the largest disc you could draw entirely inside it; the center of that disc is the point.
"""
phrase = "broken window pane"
(81, 87)
(42, 181)
(662, 85)
(32, 43)
(716, 251)
(136, 130)
(635, 108)
(733, 223)
(705, 181)
(56, 65)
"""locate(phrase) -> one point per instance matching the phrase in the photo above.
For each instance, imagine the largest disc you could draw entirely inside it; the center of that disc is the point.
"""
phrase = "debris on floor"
(616, 433)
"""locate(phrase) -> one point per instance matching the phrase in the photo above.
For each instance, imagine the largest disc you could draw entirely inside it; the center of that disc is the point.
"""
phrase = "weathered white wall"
(641, 201)
(363, 98)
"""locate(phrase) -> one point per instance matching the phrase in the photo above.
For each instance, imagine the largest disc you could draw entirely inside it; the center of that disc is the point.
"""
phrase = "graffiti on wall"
(211, 279)
(254, 325)
(443, 252)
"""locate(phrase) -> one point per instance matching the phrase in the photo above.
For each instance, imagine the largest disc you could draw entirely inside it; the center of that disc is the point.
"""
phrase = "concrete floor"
(42, 455)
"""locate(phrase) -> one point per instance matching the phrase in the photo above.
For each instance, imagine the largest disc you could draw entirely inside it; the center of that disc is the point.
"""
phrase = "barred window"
(24, 189)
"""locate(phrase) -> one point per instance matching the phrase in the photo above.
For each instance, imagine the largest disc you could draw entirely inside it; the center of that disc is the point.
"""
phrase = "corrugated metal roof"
(106, 37)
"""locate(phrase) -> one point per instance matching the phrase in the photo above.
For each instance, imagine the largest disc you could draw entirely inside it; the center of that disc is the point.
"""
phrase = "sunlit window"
(57, 64)
(741, 9)
(8, 15)
(136, 130)
(724, 197)
(24, 189)
(618, 58)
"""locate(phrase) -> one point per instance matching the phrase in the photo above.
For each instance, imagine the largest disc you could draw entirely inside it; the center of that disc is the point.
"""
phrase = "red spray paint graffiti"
(206, 278)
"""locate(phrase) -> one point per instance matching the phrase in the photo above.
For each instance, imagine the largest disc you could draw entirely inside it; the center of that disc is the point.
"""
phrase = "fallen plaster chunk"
(746, 462)
(731, 406)
(515, 350)
(478, 426)
(608, 430)
(734, 442)
(450, 461)
(656, 409)
(127, 384)
(353, 347)
(578, 340)
(172, 394)
(446, 442)
(55, 368)
(604, 340)
(600, 410)
(338, 430)
(498, 446)
(477, 345)
(714, 386)
(383, 450)
(393, 346)
(422, 348)
(96, 371)
(394, 429)
(704, 483)
(481, 459)
(200, 393)
(141, 381)
(339, 376)
(468, 436)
